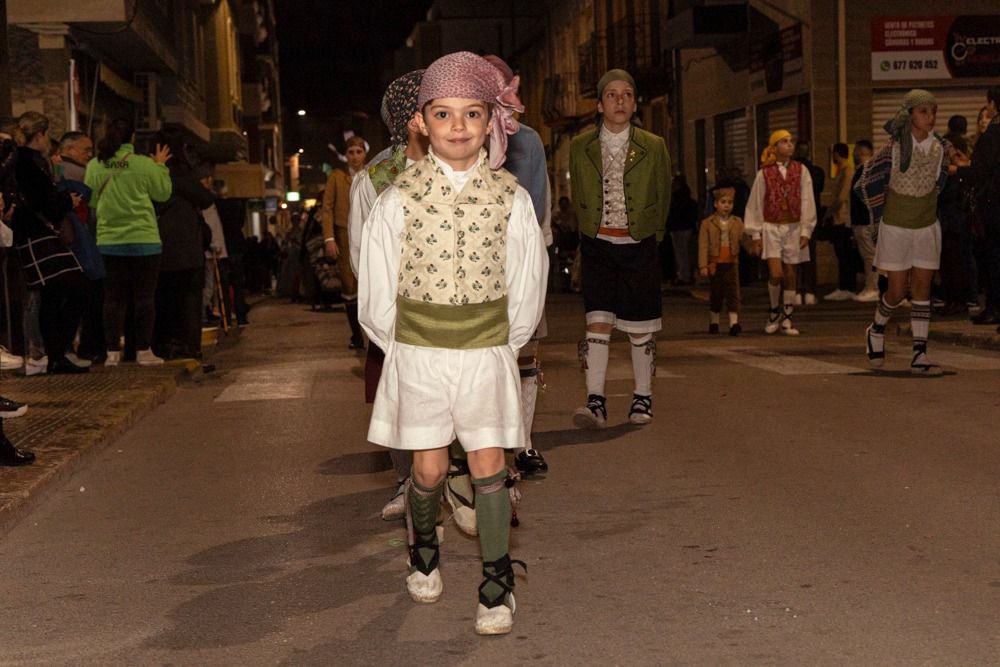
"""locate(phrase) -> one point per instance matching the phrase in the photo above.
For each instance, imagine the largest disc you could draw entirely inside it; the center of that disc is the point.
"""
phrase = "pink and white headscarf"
(464, 74)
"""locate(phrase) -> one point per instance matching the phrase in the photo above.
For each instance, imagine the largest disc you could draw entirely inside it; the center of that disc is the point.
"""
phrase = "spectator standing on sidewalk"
(232, 213)
(620, 175)
(682, 221)
(958, 288)
(900, 185)
(75, 150)
(983, 119)
(986, 177)
(11, 456)
(177, 332)
(862, 226)
(838, 216)
(42, 233)
(213, 256)
(806, 270)
(124, 186)
(334, 216)
(780, 218)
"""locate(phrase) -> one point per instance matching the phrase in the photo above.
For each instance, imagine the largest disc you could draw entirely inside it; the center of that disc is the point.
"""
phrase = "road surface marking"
(775, 362)
(268, 384)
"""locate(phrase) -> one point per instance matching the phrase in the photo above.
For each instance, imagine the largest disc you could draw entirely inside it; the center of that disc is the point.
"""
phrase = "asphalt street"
(787, 506)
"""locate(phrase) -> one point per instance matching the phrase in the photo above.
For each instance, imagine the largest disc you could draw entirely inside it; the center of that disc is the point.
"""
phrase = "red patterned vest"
(783, 196)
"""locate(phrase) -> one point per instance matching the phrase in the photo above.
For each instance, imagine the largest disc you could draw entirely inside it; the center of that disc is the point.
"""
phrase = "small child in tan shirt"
(719, 256)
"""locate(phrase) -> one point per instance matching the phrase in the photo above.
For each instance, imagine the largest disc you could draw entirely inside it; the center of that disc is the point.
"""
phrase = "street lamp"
(302, 112)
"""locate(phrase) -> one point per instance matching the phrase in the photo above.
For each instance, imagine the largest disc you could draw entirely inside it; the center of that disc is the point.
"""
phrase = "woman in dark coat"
(40, 223)
(177, 332)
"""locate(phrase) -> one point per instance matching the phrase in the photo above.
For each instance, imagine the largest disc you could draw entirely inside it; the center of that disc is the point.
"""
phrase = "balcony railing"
(633, 44)
(593, 64)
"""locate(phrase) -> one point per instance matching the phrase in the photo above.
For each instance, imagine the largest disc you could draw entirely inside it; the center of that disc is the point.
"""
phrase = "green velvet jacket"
(647, 183)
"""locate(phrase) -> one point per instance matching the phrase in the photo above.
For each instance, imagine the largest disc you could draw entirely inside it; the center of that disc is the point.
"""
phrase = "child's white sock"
(920, 322)
(733, 318)
(713, 317)
(774, 294)
(644, 362)
(593, 352)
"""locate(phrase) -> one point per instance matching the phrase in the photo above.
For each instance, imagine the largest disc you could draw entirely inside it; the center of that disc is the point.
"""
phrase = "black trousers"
(63, 302)
(991, 264)
(92, 322)
(841, 237)
(177, 331)
(130, 279)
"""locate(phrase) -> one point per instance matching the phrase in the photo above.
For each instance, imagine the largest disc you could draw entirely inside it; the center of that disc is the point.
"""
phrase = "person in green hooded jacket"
(124, 186)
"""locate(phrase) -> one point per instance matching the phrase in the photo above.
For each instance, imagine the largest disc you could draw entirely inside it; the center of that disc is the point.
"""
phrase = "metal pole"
(6, 300)
(93, 100)
(841, 71)
(5, 97)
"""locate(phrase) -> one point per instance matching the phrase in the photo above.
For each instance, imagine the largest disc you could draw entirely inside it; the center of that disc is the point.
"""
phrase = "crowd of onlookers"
(109, 254)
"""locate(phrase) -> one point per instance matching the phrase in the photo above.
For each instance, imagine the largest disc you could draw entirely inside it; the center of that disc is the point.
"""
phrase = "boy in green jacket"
(621, 186)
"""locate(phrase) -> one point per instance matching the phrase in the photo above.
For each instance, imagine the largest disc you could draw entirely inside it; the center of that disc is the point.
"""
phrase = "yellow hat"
(769, 155)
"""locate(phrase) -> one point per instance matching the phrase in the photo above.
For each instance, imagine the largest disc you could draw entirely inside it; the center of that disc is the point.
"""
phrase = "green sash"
(910, 212)
(466, 327)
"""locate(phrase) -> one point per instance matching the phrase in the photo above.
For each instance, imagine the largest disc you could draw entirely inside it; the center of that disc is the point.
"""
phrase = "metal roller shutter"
(951, 101)
(783, 115)
(736, 143)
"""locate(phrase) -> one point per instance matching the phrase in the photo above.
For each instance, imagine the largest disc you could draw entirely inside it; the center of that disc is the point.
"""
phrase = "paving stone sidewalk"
(71, 417)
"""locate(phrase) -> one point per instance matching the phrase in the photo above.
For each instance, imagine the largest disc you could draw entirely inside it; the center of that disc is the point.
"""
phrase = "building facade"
(715, 77)
(207, 67)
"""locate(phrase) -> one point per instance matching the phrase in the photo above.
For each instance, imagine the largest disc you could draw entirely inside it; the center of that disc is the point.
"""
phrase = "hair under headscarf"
(900, 127)
(614, 75)
(770, 154)
(465, 75)
(399, 104)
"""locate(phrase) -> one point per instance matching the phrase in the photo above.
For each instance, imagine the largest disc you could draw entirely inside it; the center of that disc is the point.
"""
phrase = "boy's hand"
(332, 250)
(803, 241)
(703, 272)
(756, 247)
(162, 154)
(75, 196)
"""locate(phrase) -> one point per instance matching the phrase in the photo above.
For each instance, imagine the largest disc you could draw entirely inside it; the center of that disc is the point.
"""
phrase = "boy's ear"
(417, 124)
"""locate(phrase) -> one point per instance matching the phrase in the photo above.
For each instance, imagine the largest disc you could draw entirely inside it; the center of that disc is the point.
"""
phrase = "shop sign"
(935, 47)
(776, 62)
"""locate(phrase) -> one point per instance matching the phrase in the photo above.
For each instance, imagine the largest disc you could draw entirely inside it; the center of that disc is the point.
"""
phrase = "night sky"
(331, 51)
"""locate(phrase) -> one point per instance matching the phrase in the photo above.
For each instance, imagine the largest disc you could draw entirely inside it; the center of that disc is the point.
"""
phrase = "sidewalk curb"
(80, 447)
(983, 341)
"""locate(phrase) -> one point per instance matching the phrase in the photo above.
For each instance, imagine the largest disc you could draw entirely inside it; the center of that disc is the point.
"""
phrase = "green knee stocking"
(493, 518)
(424, 505)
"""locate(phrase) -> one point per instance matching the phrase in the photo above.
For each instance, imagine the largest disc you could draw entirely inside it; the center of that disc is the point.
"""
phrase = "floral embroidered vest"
(783, 196)
(454, 244)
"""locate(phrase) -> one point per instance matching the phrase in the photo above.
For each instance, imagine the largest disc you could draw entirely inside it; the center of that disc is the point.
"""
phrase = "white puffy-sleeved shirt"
(753, 219)
(427, 396)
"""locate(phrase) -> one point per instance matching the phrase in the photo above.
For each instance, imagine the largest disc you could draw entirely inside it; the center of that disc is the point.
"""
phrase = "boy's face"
(785, 149)
(861, 155)
(356, 157)
(724, 205)
(457, 128)
(922, 117)
(617, 105)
